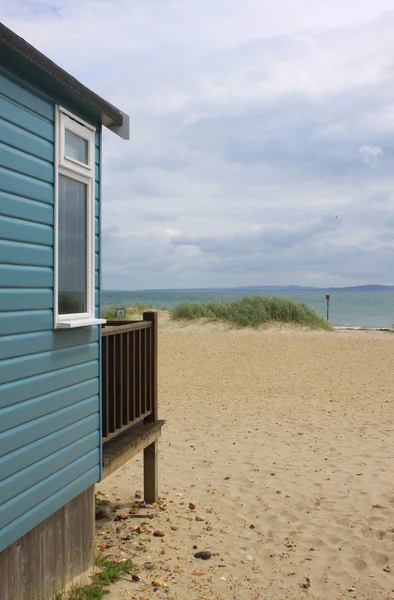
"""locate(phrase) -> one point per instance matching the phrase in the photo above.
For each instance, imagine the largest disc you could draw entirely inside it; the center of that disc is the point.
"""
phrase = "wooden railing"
(129, 374)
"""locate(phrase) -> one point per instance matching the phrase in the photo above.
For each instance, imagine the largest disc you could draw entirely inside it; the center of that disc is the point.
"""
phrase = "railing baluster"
(126, 376)
(149, 369)
(143, 372)
(138, 373)
(133, 376)
(111, 407)
(104, 387)
(118, 381)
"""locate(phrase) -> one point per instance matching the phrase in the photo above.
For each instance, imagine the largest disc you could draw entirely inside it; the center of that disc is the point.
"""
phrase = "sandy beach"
(277, 457)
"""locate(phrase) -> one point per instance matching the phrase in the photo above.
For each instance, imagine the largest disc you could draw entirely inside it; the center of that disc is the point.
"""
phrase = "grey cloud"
(263, 239)
(241, 137)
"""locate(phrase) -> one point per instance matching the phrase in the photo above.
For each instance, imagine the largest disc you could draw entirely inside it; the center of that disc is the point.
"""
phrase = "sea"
(353, 309)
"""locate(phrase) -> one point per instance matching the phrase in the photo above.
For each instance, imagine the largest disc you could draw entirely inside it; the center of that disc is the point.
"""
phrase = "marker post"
(328, 297)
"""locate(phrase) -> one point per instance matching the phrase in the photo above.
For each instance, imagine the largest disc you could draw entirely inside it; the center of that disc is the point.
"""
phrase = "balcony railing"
(129, 374)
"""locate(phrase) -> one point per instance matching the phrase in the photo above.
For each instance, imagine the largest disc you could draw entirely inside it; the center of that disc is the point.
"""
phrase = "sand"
(282, 439)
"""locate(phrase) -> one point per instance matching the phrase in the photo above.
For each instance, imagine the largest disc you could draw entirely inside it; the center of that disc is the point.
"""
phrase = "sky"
(262, 135)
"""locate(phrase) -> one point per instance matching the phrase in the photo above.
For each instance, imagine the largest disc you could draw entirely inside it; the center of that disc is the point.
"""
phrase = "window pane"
(72, 246)
(76, 147)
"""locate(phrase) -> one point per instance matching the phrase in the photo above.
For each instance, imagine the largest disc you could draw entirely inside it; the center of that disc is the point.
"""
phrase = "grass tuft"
(100, 499)
(109, 573)
(252, 312)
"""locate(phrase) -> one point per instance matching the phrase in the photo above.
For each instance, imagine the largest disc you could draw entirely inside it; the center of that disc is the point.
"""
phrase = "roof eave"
(111, 117)
(122, 130)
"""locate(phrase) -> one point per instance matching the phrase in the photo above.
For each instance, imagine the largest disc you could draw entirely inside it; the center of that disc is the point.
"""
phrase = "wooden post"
(328, 306)
(151, 491)
(153, 358)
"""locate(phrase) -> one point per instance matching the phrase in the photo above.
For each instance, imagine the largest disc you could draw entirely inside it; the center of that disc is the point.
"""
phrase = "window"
(74, 222)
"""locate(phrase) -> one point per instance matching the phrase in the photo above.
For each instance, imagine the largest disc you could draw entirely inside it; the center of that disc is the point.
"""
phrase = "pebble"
(203, 554)
(158, 533)
(387, 569)
(141, 529)
(158, 583)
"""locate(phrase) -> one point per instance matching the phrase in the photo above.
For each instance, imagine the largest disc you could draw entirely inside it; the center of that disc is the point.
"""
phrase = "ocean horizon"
(364, 307)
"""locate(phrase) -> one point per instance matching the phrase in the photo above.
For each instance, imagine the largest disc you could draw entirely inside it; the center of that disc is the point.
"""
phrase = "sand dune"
(283, 441)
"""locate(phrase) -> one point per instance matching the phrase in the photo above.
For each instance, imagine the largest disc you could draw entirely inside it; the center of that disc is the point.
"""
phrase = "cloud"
(370, 154)
(248, 135)
(259, 239)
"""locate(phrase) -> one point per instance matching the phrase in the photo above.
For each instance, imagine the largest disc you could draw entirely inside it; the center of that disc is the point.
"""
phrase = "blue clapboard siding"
(49, 379)
(19, 276)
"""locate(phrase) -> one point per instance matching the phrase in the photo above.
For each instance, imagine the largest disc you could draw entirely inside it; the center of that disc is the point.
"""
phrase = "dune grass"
(252, 312)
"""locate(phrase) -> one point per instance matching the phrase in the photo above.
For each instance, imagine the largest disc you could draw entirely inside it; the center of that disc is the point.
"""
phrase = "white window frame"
(83, 173)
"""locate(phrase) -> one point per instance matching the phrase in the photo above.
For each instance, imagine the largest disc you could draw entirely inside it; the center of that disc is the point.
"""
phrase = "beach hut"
(77, 398)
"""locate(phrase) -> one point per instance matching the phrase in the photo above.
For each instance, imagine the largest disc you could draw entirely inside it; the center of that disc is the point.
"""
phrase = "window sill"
(79, 323)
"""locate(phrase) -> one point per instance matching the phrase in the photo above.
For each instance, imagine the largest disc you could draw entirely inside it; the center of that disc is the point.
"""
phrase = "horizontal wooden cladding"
(49, 380)
(16, 137)
(18, 230)
(26, 209)
(34, 473)
(18, 253)
(32, 387)
(12, 346)
(38, 513)
(25, 434)
(61, 438)
(26, 164)
(25, 299)
(12, 182)
(13, 90)
(35, 408)
(41, 491)
(43, 362)
(26, 321)
(25, 119)
(25, 276)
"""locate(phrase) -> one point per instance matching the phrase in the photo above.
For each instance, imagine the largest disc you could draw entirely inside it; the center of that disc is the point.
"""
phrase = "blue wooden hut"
(56, 425)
